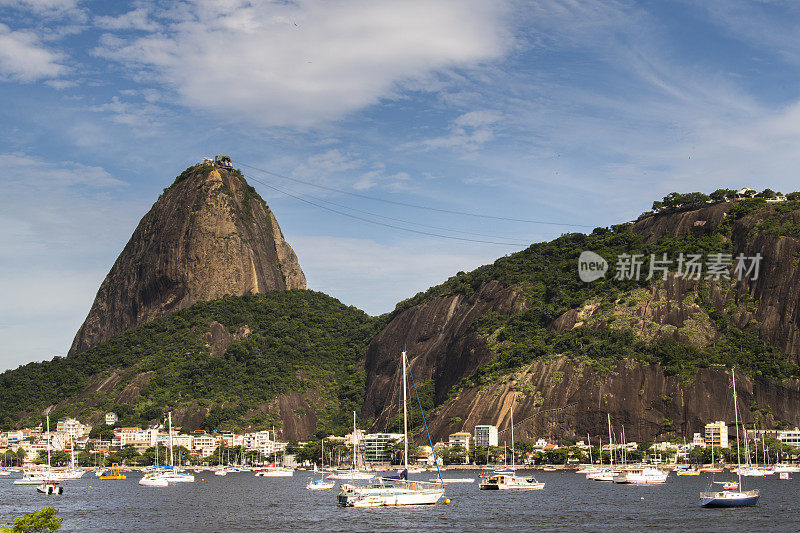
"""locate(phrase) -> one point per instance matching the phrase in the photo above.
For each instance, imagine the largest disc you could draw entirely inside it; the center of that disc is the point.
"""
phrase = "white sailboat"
(735, 497)
(49, 486)
(175, 475)
(73, 472)
(353, 473)
(321, 483)
(154, 478)
(389, 491)
(511, 481)
(606, 474)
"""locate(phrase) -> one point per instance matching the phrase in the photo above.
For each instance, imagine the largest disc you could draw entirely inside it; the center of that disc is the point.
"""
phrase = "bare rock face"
(209, 235)
(439, 342)
(563, 399)
(560, 399)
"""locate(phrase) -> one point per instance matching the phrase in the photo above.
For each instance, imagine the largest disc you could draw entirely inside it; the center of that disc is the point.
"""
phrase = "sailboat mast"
(170, 440)
(355, 440)
(48, 441)
(405, 417)
(736, 414)
(610, 441)
(513, 459)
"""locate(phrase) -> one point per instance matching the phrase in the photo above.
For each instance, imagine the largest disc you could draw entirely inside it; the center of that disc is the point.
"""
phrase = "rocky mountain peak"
(208, 235)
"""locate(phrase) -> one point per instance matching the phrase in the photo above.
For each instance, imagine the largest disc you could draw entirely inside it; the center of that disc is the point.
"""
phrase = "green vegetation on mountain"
(547, 274)
(299, 341)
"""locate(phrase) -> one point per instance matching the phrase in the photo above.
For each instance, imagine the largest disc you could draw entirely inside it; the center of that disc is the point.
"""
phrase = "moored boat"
(641, 475)
(390, 491)
(734, 497)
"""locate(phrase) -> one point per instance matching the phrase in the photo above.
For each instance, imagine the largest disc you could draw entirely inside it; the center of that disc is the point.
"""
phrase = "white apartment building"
(485, 435)
(111, 418)
(260, 442)
(204, 445)
(375, 446)
(790, 437)
(716, 434)
(461, 438)
(72, 428)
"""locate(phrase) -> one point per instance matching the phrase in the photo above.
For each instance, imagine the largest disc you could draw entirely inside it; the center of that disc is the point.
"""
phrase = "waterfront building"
(461, 438)
(716, 434)
(376, 446)
(72, 428)
(790, 437)
(485, 435)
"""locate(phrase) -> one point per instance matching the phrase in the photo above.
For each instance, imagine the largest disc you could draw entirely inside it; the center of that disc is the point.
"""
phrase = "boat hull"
(50, 488)
(153, 482)
(729, 499)
(511, 483)
(388, 497)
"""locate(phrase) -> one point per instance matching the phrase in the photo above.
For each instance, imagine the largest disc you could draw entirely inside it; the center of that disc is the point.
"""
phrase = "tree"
(40, 521)
(102, 432)
(722, 194)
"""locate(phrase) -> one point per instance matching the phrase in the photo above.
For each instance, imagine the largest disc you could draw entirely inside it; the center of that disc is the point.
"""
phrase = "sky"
(563, 115)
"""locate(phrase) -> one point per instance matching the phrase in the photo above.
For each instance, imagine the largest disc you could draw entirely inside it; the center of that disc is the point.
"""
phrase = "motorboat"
(641, 475)
(507, 482)
(49, 488)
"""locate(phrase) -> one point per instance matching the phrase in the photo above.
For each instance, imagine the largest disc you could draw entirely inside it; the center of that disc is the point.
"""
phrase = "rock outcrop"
(563, 399)
(209, 235)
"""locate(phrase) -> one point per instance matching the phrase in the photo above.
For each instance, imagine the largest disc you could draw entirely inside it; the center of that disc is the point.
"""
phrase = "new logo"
(591, 266)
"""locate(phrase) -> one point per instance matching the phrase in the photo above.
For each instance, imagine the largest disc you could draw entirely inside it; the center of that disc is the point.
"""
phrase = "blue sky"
(575, 112)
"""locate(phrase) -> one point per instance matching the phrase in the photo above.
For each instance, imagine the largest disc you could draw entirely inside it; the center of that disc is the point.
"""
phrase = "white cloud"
(467, 133)
(302, 63)
(44, 7)
(137, 19)
(36, 173)
(24, 58)
(142, 118)
(393, 182)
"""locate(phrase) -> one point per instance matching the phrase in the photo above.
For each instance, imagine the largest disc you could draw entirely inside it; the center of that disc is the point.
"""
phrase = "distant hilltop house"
(674, 202)
(221, 161)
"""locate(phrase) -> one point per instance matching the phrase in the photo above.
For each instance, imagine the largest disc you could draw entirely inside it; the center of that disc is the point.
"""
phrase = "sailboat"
(154, 478)
(49, 486)
(511, 481)
(392, 491)
(713, 468)
(274, 470)
(605, 474)
(353, 473)
(321, 483)
(73, 472)
(175, 475)
(735, 497)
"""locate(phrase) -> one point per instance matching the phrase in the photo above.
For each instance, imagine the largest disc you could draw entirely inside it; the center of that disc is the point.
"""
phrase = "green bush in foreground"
(44, 519)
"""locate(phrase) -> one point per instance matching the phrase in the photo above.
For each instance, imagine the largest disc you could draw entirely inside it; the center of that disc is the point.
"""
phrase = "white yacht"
(511, 481)
(390, 491)
(641, 475)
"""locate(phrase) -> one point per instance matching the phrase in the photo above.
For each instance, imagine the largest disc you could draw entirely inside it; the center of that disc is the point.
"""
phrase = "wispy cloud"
(24, 58)
(467, 133)
(299, 64)
(137, 19)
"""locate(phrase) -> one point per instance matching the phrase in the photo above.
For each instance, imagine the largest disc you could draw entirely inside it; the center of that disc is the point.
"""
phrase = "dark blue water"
(243, 502)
